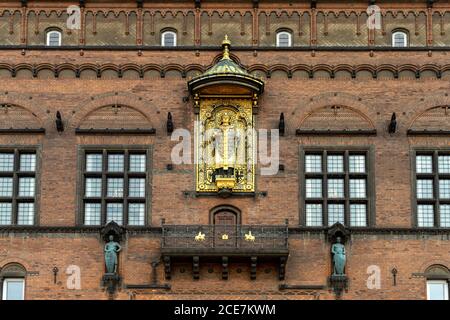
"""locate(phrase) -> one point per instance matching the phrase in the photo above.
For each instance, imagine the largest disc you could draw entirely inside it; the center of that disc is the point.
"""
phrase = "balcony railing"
(224, 239)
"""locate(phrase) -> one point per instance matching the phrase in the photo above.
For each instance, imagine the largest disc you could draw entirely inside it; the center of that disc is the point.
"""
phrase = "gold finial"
(226, 43)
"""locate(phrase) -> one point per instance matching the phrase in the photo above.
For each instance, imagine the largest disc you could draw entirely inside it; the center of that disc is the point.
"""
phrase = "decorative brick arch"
(135, 108)
(22, 113)
(434, 262)
(15, 261)
(434, 114)
(335, 111)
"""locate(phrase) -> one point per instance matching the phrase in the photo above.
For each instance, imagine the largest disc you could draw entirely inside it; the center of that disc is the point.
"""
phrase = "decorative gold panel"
(225, 145)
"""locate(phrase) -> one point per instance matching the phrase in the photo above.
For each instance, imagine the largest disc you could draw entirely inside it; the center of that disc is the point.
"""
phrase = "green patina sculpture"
(338, 251)
(111, 250)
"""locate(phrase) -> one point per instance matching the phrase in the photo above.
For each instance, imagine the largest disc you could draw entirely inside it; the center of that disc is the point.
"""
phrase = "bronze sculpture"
(111, 250)
(339, 258)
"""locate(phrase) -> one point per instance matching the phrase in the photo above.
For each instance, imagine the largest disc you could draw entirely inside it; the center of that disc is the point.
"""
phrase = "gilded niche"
(225, 146)
(225, 101)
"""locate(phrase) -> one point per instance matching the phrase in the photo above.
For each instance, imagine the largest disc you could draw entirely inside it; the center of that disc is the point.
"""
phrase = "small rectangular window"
(314, 188)
(444, 164)
(13, 289)
(335, 163)
(314, 214)
(437, 290)
(336, 213)
(425, 215)
(6, 162)
(313, 163)
(115, 162)
(94, 162)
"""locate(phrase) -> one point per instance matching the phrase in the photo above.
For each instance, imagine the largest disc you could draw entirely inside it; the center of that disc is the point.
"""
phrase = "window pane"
(313, 163)
(444, 164)
(425, 215)
(424, 164)
(335, 214)
(92, 214)
(115, 163)
(115, 187)
(13, 289)
(25, 213)
(445, 215)
(169, 39)
(284, 39)
(93, 187)
(5, 213)
(444, 189)
(27, 162)
(6, 162)
(26, 187)
(399, 39)
(94, 162)
(335, 188)
(314, 215)
(136, 213)
(437, 290)
(335, 163)
(358, 217)
(53, 38)
(357, 163)
(313, 188)
(114, 211)
(137, 188)
(6, 187)
(137, 162)
(424, 189)
(357, 188)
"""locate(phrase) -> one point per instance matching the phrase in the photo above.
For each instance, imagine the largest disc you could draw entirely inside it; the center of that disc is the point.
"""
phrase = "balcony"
(250, 243)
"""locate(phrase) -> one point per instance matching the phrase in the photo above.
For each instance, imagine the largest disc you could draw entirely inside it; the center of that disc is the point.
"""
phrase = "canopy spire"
(226, 43)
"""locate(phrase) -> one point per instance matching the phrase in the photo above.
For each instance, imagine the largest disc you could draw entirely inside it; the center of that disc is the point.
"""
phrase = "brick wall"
(309, 261)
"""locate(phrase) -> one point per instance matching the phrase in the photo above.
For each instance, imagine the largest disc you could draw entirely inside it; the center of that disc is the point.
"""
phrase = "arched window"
(53, 38)
(225, 215)
(399, 39)
(284, 39)
(12, 280)
(169, 39)
(438, 277)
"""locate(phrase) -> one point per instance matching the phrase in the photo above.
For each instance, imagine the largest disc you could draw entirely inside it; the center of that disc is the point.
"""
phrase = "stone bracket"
(224, 268)
(253, 263)
(282, 268)
(196, 267)
(167, 268)
(338, 283)
(112, 281)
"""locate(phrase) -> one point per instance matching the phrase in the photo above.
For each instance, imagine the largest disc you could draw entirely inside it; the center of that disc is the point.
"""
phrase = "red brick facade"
(38, 82)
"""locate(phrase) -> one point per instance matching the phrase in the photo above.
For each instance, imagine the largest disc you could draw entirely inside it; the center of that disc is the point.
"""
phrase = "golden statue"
(225, 101)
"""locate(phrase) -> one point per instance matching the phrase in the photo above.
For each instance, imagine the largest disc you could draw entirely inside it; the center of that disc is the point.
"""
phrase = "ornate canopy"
(226, 77)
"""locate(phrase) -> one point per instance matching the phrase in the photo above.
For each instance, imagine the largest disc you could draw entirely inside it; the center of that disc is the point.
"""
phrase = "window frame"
(17, 150)
(281, 32)
(435, 176)
(174, 38)
(369, 175)
(441, 281)
(4, 286)
(83, 150)
(406, 39)
(48, 32)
